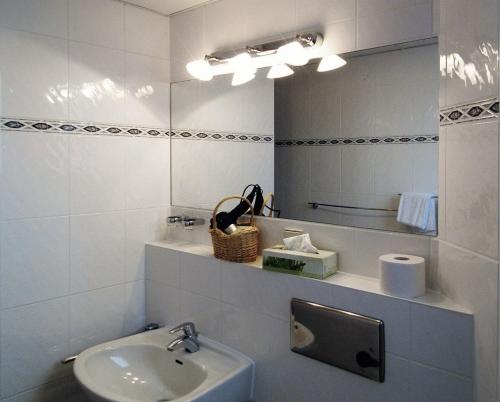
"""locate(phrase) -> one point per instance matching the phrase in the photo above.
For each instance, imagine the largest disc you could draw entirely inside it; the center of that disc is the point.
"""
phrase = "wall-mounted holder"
(185, 221)
(351, 341)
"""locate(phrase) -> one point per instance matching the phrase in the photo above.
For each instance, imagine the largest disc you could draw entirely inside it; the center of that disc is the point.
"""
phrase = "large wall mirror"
(337, 147)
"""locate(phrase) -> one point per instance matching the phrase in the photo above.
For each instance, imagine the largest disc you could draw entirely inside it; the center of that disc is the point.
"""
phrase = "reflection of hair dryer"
(226, 221)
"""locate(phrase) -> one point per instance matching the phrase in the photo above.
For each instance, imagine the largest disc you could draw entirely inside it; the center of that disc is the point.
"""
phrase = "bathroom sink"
(139, 368)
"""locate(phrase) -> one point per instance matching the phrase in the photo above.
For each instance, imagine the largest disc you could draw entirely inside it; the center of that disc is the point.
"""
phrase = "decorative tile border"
(62, 127)
(420, 139)
(480, 110)
(219, 136)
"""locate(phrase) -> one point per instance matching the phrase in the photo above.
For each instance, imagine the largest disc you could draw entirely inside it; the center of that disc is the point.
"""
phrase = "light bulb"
(242, 77)
(243, 63)
(200, 69)
(293, 53)
(331, 62)
(279, 71)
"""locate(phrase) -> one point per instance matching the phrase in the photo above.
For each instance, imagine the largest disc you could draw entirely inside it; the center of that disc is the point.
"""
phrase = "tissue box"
(318, 266)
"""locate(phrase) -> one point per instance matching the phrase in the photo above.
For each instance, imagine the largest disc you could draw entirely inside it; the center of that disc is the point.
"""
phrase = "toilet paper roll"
(402, 275)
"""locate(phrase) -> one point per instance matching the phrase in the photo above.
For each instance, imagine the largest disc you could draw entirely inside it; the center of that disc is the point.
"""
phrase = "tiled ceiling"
(167, 6)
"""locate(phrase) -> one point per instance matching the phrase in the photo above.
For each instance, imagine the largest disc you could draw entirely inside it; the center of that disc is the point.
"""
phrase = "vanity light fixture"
(279, 55)
(200, 69)
(279, 71)
(244, 69)
(331, 62)
(294, 54)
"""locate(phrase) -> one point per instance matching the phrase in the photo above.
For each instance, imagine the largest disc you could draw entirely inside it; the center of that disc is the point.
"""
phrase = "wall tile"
(66, 389)
(265, 24)
(372, 244)
(141, 226)
(472, 187)
(327, 383)
(162, 303)
(29, 360)
(266, 292)
(392, 22)
(357, 172)
(134, 308)
(323, 12)
(204, 312)
(221, 18)
(97, 83)
(34, 260)
(147, 32)
(425, 164)
(24, 94)
(97, 22)
(474, 288)
(442, 183)
(469, 49)
(97, 316)
(147, 98)
(47, 18)
(393, 168)
(437, 335)
(187, 38)
(258, 336)
(163, 266)
(429, 384)
(200, 275)
(97, 173)
(34, 179)
(325, 169)
(97, 250)
(147, 172)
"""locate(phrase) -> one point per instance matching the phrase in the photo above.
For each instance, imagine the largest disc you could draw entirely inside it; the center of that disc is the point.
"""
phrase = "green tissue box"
(317, 266)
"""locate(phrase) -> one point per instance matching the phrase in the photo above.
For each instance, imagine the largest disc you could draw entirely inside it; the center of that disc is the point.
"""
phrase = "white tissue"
(300, 243)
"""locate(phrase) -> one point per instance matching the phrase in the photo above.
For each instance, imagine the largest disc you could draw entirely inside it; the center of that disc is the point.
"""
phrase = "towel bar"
(316, 205)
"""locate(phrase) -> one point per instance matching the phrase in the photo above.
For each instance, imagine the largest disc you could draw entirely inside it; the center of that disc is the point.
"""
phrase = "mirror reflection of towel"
(418, 210)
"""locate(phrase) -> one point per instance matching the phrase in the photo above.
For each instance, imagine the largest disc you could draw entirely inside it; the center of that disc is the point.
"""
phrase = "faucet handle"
(188, 328)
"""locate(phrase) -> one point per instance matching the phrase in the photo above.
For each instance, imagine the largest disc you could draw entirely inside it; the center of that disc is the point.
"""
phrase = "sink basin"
(139, 368)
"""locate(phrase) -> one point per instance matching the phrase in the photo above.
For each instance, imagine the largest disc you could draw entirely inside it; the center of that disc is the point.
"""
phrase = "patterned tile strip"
(61, 127)
(480, 110)
(219, 136)
(420, 139)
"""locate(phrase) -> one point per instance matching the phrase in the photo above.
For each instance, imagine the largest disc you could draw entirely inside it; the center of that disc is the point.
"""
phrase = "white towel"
(418, 210)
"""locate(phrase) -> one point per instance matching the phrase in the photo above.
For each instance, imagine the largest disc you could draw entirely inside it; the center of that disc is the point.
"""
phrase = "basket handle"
(233, 197)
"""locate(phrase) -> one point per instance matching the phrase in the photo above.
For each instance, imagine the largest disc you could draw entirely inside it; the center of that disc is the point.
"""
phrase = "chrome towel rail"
(316, 205)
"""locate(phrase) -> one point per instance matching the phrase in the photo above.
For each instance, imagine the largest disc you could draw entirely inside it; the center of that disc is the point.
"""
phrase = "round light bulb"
(200, 69)
(279, 71)
(293, 53)
(331, 62)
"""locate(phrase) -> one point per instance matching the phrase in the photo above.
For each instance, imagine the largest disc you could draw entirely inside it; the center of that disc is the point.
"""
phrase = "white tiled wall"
(75, 210)
(248, 309)
(382, 95)
(346, 24)
(467, 250)
(204, 171)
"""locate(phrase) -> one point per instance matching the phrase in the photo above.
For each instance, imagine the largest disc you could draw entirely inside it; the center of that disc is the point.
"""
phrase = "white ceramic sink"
(139, 368)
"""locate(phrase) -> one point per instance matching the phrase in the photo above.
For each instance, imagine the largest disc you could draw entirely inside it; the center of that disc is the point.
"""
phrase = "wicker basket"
(241, 246)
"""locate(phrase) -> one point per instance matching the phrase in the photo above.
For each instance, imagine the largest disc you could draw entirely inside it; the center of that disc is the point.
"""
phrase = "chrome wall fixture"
(279, 56)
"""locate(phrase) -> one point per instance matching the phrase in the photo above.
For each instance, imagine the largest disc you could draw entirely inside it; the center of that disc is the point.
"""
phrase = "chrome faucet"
(188, 340)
